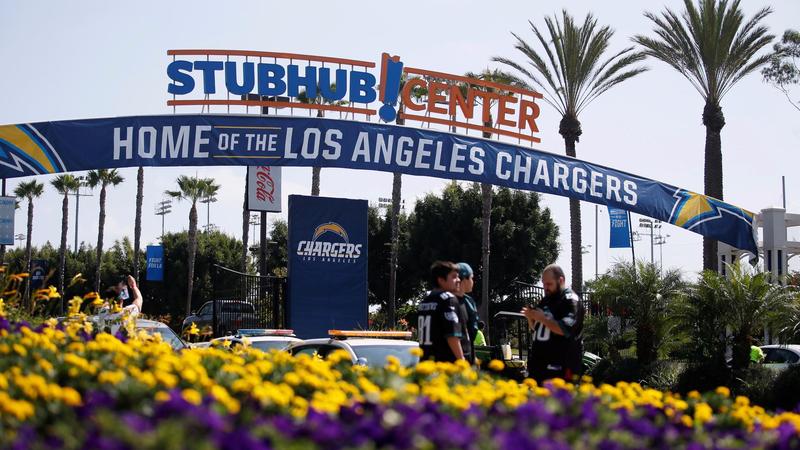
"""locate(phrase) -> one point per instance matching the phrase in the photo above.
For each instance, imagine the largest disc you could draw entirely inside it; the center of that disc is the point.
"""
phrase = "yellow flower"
(687, 421)
(192, 396)
(78, 278)
(193, 330)
(703, 413)
(496, 365)
(723, 391)
(2, 308)
(416, 351)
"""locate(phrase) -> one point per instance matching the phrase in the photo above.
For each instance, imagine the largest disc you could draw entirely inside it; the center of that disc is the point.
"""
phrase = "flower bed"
(64, 387)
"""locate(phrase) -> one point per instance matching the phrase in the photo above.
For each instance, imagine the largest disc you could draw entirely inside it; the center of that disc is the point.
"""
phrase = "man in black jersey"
(557, 327)
(440, 322)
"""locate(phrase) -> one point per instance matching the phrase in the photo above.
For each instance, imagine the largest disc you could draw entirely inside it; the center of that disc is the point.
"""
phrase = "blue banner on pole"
(620, 228)
(211, 140)
(327, 265)
(155, 263)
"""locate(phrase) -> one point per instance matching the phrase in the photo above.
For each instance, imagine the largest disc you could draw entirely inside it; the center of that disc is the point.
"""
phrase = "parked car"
(150, 326)
(264, 340)
(231, 316)
(368, 348)
(780, 357)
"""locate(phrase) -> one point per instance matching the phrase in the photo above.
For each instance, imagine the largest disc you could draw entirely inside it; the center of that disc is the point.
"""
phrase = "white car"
(780, 357)
(368, 348)
(264, 340)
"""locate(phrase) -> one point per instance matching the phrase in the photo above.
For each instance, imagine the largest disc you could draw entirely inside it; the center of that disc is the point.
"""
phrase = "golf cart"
(510, 341)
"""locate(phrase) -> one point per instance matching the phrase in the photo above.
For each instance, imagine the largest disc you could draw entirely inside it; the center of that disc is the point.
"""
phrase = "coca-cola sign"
(264, 188)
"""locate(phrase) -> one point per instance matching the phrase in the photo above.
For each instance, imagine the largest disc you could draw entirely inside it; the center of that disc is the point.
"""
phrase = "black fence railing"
(249, 301)
(529, 294)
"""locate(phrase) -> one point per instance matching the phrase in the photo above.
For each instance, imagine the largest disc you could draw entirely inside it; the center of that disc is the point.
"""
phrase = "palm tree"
(192, 189)
(495, 76)
(29, 190)
(245, 227)
(572, 71)
(65, 185)
(397, 188)
(318, 100)
(640, 295)
(102, 178)
(137, 227)
(713, 47)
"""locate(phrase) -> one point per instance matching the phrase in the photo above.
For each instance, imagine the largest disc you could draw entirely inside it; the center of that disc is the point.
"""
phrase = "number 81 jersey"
(438, 318)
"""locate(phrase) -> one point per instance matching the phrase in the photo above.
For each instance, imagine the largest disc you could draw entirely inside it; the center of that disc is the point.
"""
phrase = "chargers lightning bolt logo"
(692, 209)
(23, 146)
(331, 227)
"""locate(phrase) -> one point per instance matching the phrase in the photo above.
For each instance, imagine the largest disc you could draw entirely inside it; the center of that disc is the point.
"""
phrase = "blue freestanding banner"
(327, 265)
(155, 263)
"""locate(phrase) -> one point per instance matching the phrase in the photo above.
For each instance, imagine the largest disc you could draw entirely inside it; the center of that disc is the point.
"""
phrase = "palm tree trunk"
(192, 251)
(137, 227)
(397, 184)
(315, 171)
(570, 130)
(62, 252)
(486, 222)
(245, 228)
(101, 223)
(714, 120)
(28, 255)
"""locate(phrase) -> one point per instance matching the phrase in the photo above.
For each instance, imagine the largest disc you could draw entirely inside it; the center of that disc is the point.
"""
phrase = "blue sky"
(80, 59)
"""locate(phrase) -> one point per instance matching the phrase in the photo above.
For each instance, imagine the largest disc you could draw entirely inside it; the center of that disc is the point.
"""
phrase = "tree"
(783, 71)
(447, 226)
(102, 178)
(640, 294)
(29, 190)
(245, 228)
(495, 76)
(397, 187)
(318, 99)
(137, 226)
(713, 47)
(192, 189)
(64, 184)
(572, 71)
(751, 303)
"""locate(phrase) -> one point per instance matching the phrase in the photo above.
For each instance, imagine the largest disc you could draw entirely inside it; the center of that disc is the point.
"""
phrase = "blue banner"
(620, 228)
(327, 265)
(208, 140)
(155, 263)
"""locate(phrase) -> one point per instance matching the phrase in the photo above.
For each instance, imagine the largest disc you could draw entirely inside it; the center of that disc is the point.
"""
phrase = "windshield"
(167, 335)
(266, 346)
(376, 354)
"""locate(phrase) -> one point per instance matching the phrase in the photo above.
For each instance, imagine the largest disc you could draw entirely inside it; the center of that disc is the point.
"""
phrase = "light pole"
(19, 237)
(651, 226)
(78, 195)
(255, 220)
(208, 201)
(660, 241)
(163, 208)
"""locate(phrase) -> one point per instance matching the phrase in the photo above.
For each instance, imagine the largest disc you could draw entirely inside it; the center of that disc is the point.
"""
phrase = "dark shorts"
(542, 372)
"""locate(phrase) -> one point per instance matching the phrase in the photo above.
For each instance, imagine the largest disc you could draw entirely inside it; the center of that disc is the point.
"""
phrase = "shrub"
(607, 371)
(702, 377)
(786, 390)
(755, 382)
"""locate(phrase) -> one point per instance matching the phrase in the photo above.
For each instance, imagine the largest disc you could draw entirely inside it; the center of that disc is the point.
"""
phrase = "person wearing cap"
(469, 309)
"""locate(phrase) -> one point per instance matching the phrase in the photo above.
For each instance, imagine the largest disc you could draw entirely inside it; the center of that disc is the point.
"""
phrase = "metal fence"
(529, 294)
(250, 301)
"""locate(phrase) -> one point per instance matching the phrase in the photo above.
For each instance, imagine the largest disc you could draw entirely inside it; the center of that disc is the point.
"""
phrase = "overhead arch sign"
(345, 133)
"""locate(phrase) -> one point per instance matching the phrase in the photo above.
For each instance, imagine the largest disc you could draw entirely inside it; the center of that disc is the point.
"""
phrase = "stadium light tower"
(651, 226)
(163, 208)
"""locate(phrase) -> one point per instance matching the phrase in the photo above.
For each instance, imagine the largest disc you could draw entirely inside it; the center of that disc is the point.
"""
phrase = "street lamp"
(81, 183)
(19, 237)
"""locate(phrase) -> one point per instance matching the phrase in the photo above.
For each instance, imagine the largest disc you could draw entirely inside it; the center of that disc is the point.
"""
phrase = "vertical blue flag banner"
(327, 265)
(620, 228)
(8, 207)
(155, 263)
(213, 140)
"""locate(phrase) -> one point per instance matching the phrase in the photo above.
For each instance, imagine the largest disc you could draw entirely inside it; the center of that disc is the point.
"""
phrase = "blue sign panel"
(209, 140)
(620, 228)
(155, 263)
(39, 273)
(327, 265)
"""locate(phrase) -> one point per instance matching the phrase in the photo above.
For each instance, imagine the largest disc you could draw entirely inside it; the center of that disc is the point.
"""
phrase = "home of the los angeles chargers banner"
(209, 140)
